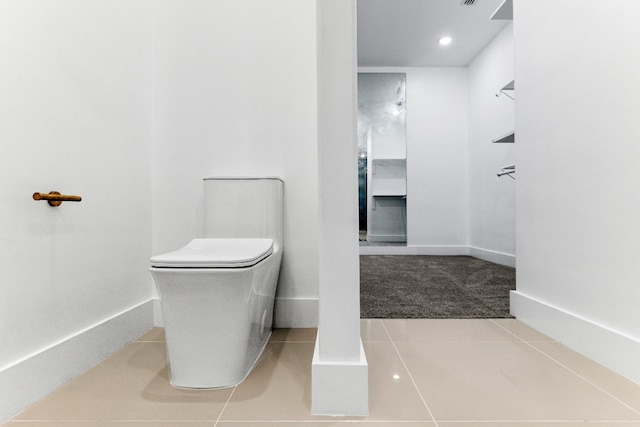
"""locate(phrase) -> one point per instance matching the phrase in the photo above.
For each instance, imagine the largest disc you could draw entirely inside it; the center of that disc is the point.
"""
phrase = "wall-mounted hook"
(54, 198)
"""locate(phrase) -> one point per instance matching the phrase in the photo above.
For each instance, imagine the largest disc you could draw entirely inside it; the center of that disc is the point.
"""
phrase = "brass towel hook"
(55, 198)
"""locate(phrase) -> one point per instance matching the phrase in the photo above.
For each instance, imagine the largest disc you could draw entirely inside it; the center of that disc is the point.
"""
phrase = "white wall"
(491, 198)
(75, 114)
(578, 104)
(235, 94)
(437, 208)
(437, 135)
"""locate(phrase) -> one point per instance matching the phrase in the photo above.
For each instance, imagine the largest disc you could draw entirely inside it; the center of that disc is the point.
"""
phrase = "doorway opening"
(451, 198)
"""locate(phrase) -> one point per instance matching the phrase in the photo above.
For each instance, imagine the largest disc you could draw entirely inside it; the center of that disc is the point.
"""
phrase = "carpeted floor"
(433, 287)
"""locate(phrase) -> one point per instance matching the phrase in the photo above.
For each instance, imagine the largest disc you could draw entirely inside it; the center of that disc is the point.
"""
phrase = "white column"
(340, 371)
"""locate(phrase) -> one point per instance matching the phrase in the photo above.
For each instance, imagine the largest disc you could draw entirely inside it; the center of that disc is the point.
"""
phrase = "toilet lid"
(216, 253)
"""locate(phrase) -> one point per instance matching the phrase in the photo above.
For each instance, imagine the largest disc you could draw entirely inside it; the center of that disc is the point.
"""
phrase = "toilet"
(217, 293)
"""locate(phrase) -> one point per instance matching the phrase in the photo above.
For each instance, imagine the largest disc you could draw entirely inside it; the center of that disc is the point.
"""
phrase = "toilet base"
(222, 386)
(217, 323)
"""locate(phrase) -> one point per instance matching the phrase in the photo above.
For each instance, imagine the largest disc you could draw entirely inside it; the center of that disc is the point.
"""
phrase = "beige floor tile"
(446, 330)
(524, 332)
(279, 388)
(392, 393)
(294, 334)
(373, 330)
(472, 373)
(503, 381)
(620, 387)
(154, 335)
(130, 385)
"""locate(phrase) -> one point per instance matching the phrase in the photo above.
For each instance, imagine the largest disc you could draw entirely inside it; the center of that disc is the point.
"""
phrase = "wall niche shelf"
(389, 177)
(387, 194)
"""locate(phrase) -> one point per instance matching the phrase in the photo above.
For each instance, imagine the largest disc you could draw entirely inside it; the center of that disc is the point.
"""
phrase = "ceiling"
(405, 33)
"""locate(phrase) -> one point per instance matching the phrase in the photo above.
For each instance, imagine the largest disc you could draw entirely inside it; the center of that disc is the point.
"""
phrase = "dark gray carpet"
(433, 287)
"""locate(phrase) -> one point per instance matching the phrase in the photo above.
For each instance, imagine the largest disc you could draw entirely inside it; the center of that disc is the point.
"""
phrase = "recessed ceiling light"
(445, 40)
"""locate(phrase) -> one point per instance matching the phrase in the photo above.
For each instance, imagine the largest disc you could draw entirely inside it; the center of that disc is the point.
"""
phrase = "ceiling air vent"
(467, 2)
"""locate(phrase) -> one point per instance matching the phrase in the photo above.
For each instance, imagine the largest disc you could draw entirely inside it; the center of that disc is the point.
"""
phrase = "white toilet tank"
(244, 208)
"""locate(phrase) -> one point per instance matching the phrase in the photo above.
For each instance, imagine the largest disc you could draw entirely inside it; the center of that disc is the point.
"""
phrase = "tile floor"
(447, 373)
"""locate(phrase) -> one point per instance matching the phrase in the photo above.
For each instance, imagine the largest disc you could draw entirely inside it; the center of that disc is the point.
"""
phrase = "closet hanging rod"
(508, 173)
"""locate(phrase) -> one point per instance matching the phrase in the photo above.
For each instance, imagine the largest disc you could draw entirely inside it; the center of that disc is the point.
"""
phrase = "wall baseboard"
(414, 250)
(295, 313)
(29, 380)
(493, 256)
(484, 254)
(611, 348)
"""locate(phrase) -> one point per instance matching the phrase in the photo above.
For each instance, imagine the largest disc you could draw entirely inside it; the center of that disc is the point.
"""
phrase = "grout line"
(568, 368)
(330, 422)
(280, 422)
(225, 406)
(409, 373)
(551, 423)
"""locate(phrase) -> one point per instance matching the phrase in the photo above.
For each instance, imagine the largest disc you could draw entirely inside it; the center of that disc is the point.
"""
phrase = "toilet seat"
(216, 253)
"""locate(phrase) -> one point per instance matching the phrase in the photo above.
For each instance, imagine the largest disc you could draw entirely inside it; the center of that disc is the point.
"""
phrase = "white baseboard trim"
(295, 313)
(493, 256)
(32, 378)
(414, 250)
(613, 349)
(484, 254)
(339, 388)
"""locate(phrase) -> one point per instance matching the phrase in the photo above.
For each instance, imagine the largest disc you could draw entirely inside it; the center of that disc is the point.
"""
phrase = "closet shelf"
(507, 138)
(389, 188)
(511, 86)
